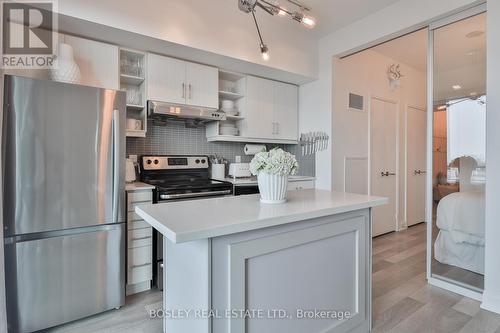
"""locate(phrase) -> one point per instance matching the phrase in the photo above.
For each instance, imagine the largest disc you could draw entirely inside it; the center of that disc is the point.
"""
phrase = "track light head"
(265, 52)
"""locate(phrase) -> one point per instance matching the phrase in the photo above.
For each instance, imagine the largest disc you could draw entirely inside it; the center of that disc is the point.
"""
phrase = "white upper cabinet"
(202, 84)
(271, 110)
(285, 111)
(176, 81)
(166, 79)
(259, 111)
(98, 61)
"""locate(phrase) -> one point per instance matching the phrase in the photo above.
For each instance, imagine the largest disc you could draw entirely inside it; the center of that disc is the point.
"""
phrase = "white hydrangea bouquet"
(272, 169)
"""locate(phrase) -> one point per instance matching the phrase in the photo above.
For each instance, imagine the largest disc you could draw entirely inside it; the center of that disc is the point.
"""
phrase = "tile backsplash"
(176, 139)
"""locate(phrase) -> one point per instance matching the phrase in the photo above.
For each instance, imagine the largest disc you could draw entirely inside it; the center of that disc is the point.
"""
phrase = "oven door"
(158, 266)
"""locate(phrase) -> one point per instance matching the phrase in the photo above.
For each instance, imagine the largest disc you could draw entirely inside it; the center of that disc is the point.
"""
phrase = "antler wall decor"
(394, 75)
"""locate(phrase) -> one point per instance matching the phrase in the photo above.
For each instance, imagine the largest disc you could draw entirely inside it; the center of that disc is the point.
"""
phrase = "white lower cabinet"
(300, 185)
(139, 244)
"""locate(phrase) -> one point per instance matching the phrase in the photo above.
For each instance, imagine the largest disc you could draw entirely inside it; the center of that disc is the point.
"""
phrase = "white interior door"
(384, 129)
(416, 131)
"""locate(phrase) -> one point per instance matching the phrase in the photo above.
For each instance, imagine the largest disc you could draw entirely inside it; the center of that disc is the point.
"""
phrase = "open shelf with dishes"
(232, 89)
(133, 81)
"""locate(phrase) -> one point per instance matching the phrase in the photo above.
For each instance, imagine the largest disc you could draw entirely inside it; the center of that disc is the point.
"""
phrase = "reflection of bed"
(460, 242)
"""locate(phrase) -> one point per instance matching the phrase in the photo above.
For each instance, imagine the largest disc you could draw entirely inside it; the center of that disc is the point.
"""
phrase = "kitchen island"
(236, 265)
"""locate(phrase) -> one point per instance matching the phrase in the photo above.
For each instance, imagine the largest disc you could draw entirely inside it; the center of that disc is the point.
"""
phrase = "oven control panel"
(174, 162)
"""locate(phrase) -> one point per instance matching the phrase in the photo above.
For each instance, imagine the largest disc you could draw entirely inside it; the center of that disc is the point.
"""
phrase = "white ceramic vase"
(65, 67)
(272, 188)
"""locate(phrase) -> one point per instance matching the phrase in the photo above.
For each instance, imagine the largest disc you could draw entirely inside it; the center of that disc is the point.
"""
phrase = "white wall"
(216, 26)
(365, 74)
(491, 295)
(403, 16)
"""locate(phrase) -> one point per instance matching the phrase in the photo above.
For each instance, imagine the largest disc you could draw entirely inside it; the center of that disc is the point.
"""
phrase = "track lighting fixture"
(274, 8)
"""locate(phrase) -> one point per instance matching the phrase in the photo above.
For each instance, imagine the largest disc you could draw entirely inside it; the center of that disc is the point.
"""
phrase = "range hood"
(164, 111)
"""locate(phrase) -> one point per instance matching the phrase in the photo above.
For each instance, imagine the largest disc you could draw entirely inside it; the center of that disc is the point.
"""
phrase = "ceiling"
(332, 15)
(458, 59)
(410, 49)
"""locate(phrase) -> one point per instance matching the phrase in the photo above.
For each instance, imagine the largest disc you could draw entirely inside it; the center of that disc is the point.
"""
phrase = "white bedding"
(462, 215)
(463, 255)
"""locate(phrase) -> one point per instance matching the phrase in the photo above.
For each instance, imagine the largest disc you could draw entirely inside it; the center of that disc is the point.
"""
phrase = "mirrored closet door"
(459, 152)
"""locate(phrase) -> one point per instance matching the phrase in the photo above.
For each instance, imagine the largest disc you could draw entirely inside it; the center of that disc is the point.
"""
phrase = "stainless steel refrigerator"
(63, 156)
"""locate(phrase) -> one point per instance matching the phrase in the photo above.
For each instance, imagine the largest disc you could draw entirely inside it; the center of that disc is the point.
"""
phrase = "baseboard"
(440, 283)
(491, 302)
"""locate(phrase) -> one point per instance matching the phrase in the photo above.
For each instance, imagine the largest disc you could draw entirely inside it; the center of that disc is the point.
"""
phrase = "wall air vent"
(356, 102)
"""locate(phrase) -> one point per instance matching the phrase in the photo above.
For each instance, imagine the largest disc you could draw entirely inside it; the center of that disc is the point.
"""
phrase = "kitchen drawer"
(140, 196)
(139, 237)
(132, 225)
(131, 206)
(139, 256)
(301, 185)
(132, 217)
(139, 273)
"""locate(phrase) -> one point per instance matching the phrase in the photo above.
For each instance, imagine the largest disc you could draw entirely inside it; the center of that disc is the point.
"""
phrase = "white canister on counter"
(218, 171)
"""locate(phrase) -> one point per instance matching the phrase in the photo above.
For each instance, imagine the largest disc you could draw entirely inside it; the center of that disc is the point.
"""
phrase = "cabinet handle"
(183, 90)
(190, 91)
(140, 238)
(143, 265)
(274, 127)
(277, 128)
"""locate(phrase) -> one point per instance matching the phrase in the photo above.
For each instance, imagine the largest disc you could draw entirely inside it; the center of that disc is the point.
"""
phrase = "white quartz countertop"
(138, 186)
(253, 180)
(185, 221)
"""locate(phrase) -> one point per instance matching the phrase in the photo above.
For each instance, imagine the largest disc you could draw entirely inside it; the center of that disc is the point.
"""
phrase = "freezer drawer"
(59, 279)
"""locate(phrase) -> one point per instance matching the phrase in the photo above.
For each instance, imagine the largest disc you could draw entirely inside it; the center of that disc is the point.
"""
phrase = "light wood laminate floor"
(403, 302)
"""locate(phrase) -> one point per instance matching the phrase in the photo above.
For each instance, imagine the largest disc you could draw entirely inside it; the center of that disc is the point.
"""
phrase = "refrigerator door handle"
(116, 163)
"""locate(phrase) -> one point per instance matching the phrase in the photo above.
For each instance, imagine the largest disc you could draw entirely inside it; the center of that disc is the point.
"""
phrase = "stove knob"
(197, 161)
(203, 161)
(156, 161)
(148, 161)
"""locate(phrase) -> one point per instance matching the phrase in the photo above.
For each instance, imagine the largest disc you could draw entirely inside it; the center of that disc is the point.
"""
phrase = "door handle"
(419, 172)
(387, 174)
(183, 90)
(116, 163)
(190, 92)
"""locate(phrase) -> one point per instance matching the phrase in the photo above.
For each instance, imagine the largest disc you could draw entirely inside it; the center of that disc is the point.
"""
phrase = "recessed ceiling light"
(441, 107)
(456, 87)
(474, 34)
(473, 93)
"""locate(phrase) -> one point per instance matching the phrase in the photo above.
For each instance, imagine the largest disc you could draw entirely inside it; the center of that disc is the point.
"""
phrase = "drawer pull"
(140, 238)
(143, 265)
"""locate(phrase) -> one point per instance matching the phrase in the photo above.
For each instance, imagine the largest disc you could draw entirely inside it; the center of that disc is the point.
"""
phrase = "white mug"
(134, 124)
